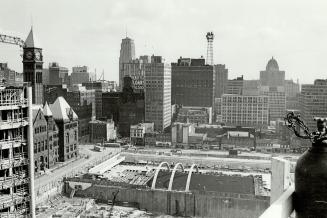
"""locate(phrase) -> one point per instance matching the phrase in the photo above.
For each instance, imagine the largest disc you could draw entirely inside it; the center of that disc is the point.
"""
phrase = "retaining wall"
(196, 204)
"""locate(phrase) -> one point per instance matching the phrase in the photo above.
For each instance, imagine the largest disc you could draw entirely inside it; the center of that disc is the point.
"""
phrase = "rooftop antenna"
(126, 31)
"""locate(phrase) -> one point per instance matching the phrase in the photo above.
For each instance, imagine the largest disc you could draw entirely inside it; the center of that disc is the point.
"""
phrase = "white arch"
(170, 186)
(188, 181)
(153, 186)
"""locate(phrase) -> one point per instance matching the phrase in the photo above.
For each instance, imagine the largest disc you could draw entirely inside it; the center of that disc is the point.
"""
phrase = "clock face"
(38, 56)
(29, 55)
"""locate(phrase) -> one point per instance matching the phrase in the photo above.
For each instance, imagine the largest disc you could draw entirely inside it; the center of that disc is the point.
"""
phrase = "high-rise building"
(193, 83)
(276, 101)
(313, 102)
(235, 86)
(136, 70)
(250, 111)
(221, 79)
(158, 93)
(57, 75)
(127, 54)
(14, 171)
(272, 76)
(126, 108)
(292, 92)
(79, 75)
(33, 67)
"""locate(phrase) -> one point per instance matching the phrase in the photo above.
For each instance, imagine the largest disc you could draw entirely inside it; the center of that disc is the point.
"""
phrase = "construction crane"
(12, 40)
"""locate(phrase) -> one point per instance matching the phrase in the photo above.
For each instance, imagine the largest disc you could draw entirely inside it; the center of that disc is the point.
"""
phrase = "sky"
(247, 33)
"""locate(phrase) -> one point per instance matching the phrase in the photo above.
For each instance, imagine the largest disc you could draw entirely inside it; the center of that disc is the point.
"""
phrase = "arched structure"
(153, 186)
(188, 181)
(171, 180)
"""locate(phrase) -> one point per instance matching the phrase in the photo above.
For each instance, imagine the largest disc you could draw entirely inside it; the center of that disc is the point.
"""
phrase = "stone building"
(45, 138)
(67, 122)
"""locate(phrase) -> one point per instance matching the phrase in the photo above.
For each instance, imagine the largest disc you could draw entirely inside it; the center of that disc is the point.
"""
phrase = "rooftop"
(62, 111)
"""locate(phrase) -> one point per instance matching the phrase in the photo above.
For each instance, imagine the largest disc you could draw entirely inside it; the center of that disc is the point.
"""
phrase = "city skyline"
(283, 30)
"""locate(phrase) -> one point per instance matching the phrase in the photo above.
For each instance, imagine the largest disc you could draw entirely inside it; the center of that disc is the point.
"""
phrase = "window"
(67, 137)
(75, 135)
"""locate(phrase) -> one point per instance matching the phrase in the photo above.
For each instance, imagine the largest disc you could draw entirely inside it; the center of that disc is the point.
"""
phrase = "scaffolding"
(15, 195)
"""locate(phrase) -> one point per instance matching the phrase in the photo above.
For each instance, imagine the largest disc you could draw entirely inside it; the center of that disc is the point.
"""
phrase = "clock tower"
(33, 67)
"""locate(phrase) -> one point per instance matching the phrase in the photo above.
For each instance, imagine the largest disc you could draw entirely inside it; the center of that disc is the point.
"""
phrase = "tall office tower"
(245, 110)
(313, 102)
(292, 91)
(272, 76)
(136, 70)
(193, 83)
(14, 181)
(276, 101)
(158, 93)
(79, 75)
(221, 79)
(210, 37)
(127, 54)
(57, 75)
(33, 67)
(235, 86)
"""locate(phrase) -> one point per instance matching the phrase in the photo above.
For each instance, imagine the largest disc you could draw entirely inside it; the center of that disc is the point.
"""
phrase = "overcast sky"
(247, 33)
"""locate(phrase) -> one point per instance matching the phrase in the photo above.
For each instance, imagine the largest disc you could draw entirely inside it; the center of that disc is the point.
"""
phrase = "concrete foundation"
(196, 204)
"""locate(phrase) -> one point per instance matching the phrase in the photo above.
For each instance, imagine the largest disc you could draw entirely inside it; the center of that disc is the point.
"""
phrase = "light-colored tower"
(210, 37)
(127, 54)
(158, 93)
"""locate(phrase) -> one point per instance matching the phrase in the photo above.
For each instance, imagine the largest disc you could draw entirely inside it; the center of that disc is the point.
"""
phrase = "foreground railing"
(282, 207)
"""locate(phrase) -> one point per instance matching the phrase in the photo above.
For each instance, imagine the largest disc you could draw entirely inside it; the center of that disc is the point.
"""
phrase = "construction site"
(14, 172)
(119, 187)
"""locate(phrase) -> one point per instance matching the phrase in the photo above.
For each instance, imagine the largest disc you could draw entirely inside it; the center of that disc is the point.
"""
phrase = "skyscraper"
(221, 78)
(33, 67)
(272, 76)
(313, 102)
(192, 83)
(127, 54)
(158, 93)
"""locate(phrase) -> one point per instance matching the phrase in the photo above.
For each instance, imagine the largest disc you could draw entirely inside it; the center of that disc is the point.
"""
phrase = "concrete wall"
(199, 204)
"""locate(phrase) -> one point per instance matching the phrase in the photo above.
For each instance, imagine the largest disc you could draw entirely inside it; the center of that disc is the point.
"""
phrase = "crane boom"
(12, 40)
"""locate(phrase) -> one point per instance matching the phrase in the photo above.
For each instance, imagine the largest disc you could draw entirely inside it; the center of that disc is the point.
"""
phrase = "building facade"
(67, 122)
(240, 110)
(277, 101)
(235, 86)
(126, 108)
(10, 77)
(313, 102)
(79, 75)
(138, 131)
(103, 131)
(45, 138)
(14, 176)
(158, 94)
(58, 75)
(195, 115)
(193, 83)
(221, 79)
